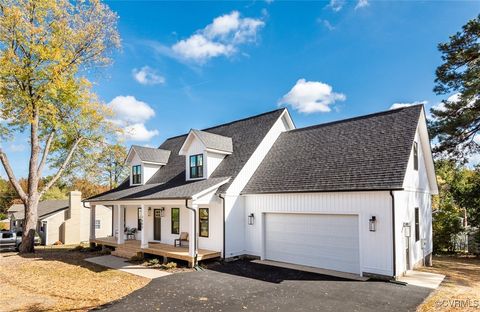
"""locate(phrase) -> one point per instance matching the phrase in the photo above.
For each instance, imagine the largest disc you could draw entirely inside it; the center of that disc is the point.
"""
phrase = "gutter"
(194, 233)
(393, 235)
(223, 214)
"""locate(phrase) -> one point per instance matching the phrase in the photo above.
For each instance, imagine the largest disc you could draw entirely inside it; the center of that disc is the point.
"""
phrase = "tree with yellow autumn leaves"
(47, 48)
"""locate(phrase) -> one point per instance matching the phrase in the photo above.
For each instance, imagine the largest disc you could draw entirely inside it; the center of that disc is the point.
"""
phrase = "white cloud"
(407, 104)
(326, 23)
(129, 109)
(147, 76)
(362, 4)
(131, 114)
(138, 132)
(220, 38)
(200, 49)
(311, 97)
(336, 5)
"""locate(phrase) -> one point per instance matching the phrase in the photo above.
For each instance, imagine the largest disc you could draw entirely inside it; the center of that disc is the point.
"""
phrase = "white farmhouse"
(352, 195)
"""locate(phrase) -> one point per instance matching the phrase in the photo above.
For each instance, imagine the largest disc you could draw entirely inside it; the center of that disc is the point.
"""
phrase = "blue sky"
(197, 64)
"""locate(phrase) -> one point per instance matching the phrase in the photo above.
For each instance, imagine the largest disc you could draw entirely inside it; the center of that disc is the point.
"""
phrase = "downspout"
(223, 214)
(194, 233)
(393, 235)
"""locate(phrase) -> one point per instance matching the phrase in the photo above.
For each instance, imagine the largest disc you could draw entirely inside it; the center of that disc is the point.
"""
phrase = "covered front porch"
(159, 249)
(154, 227)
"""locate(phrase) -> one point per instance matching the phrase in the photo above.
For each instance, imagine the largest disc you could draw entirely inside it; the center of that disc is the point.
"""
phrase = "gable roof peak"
(150, 154)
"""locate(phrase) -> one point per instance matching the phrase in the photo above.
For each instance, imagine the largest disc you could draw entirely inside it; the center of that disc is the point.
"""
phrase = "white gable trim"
(190, 137)
(427, 152)
(283, 123)
(212, 188)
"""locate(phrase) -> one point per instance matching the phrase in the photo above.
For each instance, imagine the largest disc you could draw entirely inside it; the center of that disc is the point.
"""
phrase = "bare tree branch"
(45, 153)
(11, 176)
(62, 167)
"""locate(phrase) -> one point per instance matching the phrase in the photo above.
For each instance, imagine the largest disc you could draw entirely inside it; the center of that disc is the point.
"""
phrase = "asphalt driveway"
(246, 286)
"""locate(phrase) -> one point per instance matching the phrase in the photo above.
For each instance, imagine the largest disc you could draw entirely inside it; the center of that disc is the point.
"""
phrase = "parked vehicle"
(13, 239)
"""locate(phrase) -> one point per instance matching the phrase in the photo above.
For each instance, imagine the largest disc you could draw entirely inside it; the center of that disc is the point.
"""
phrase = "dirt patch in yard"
(58, 279)
(460, 290)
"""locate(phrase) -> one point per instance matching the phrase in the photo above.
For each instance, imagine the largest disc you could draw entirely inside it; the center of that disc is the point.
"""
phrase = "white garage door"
(323, 241)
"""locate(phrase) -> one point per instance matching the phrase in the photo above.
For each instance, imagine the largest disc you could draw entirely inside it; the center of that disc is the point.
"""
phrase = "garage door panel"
(325, 241)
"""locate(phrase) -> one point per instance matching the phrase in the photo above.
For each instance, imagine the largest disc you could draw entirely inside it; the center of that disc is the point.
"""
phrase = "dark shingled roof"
(215, 141)
(160, 190)
(149, 154)
(45, 208)
(246, 135)
(364, 153)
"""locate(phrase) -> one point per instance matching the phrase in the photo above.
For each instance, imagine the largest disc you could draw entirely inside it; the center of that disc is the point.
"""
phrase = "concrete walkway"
(422, 279)
(304, 268)
(121, 265)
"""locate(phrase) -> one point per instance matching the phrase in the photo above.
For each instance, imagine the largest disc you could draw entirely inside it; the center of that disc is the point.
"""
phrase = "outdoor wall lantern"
(251, 218)
(149, 211)
(372, 224)
(162, 212)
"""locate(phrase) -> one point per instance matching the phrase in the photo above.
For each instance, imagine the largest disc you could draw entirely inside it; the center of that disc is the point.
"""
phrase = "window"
(203, 221)
(97, 225)
(7, 235)
(139, 218)
(137, 174)
(196, 166)
(417, 225)
(415, 156)
(175, 220)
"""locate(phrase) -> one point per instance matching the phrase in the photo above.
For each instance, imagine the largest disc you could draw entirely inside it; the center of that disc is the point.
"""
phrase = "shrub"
(170, 265)
(153, 262)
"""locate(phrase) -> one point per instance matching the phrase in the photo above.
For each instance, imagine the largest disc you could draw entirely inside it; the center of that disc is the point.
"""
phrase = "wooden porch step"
(124, 254)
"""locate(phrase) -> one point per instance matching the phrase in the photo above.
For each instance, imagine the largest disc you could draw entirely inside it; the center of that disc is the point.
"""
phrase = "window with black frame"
(417, 224)
(196, 166)
(137, 174)
(175, 220)
(140, 220)
(203, 217)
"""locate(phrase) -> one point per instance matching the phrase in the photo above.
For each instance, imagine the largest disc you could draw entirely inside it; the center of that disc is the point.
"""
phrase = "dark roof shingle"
(246, 135)
(364, 153)
(45, 208)
(149, 154)
(214, 141)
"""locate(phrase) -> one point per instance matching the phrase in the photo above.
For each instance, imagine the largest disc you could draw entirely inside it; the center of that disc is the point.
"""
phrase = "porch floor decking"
(159, 249)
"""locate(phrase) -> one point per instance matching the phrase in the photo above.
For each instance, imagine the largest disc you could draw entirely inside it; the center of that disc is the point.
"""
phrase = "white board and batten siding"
(417, 193)
(234, 203)
(346, 214)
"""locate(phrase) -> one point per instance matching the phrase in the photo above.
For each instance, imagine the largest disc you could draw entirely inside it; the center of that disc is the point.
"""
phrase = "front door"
(157, 225)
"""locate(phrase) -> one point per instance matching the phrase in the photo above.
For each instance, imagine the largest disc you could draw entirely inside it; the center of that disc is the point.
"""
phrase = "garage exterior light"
(372, 224)
(251, 219)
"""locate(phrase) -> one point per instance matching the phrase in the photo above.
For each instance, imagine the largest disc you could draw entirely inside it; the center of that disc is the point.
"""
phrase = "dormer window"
(196, 166)
(137, 174)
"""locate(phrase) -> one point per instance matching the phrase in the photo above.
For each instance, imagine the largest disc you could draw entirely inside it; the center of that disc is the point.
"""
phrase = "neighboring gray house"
(66, 221)
(352, 195)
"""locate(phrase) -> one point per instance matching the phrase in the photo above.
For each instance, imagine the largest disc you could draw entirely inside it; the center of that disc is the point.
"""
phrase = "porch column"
(121, 225)
(192, 235)
(144, 240)
(92, 222)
